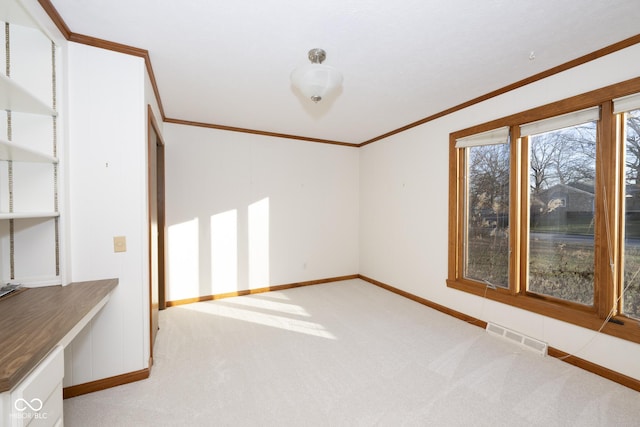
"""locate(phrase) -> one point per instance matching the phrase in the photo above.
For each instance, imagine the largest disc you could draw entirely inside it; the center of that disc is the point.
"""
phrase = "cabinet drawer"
(37, 400)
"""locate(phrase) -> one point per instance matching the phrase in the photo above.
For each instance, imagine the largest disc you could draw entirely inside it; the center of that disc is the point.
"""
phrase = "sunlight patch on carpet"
(282, 318)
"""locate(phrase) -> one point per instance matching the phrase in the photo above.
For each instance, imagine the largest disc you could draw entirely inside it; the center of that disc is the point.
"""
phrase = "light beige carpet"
(346, 354)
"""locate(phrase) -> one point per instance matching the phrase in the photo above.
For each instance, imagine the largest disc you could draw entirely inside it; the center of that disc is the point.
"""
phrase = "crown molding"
(257, 132)
(536, 77)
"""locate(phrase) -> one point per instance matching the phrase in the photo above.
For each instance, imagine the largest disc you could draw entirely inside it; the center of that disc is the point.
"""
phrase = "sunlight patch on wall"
(224, 252)
(259, 244)
(183, 260)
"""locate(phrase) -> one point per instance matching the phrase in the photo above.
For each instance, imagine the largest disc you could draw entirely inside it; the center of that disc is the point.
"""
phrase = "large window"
(561, 202)
(545, 210)
(631, 283)
(486, 237)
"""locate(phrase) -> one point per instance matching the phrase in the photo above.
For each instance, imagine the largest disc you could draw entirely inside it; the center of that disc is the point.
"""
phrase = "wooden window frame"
(609, 191)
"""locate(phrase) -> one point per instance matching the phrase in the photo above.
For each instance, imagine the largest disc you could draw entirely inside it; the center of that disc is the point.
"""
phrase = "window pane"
(562, 212)
(486, 256)
(631, 294)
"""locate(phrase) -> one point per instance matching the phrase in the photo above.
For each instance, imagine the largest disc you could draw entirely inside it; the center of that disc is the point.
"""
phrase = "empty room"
(340, 213)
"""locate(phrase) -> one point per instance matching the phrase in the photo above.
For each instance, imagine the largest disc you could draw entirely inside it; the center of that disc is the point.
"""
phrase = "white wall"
(106, 155)
(247, 211)
(404, 211)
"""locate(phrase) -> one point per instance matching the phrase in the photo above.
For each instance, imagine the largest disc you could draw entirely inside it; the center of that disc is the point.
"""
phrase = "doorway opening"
(157, 227)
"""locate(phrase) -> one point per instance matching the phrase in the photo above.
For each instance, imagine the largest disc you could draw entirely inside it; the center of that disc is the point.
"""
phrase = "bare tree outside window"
(487, 215)
(562, 212)
(631, 284)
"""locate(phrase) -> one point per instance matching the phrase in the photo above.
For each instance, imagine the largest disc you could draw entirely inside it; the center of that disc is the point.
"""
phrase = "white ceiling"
(227, 62)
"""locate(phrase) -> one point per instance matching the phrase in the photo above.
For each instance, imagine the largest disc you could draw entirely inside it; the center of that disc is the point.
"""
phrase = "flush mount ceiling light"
(315, 80)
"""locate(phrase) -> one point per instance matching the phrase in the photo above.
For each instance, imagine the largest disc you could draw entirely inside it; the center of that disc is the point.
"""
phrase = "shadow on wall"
(185, 248)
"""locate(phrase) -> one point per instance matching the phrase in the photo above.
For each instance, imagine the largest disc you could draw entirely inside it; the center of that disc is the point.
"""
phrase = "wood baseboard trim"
(594, 368)
(105, 383)
(423, 301)
(607, 373)
(259, 290)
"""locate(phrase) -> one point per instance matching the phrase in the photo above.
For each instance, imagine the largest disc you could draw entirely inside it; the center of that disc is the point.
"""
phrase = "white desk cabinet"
(35, 326)
(37, 400)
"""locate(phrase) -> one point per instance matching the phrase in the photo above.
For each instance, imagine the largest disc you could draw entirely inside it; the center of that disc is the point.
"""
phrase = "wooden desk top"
(34, 321)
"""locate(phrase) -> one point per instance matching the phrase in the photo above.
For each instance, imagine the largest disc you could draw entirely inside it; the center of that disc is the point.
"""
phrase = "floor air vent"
(516, 337)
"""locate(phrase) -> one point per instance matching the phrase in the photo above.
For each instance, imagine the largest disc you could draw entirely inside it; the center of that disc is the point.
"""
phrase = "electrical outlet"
(119, 244)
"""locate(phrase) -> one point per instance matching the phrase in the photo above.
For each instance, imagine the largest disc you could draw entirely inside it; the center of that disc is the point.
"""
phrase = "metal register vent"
(529, 343)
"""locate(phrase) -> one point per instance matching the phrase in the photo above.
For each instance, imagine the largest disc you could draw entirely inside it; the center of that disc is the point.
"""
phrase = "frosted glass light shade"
(315, 81)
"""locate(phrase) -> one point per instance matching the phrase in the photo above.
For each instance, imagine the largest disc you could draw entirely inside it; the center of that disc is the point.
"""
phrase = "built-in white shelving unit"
(30, 243)
(29, 162)
(17, 153)
(14, 97)
(29, 215)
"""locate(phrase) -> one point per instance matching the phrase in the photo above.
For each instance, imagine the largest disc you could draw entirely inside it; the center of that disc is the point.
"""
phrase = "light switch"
(119, 244)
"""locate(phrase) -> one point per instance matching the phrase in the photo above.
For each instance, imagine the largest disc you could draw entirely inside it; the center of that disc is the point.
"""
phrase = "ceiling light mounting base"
(316, 56)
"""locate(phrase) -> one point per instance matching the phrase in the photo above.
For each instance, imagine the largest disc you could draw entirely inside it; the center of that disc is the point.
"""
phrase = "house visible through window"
(545, 211)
